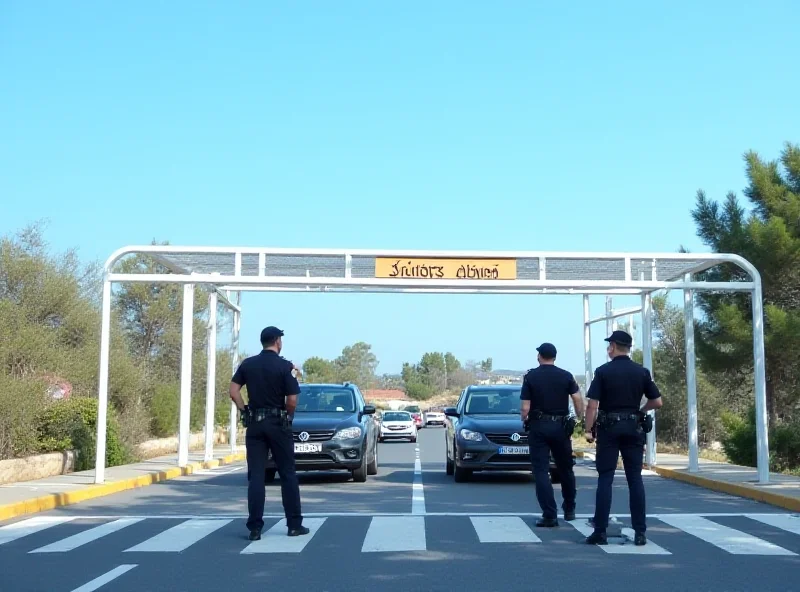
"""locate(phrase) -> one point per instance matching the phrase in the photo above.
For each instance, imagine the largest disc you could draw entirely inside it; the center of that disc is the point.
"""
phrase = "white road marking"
(628, 548)
(503, 529)
(98, 583)
(417, 493)
(82, 538)
(275, 540)
(395, 533)
(785, 522)
(239, 516)
(179, 537)
(728, 539)
(21, 529)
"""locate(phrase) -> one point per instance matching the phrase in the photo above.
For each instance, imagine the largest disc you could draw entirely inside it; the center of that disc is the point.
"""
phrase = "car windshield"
(396, 416)
(500, 401)
(325, 399)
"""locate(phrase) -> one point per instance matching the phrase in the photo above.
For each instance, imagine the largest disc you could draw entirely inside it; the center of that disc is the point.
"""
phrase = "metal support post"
(587, 343)
(647, 354)
(691, 377)
(211, 376)
(762, 424)
(102, 394)
(186, 374)
(234, 415)
(609, 314)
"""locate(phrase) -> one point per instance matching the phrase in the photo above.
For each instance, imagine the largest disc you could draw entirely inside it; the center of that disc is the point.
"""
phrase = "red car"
(416, 414)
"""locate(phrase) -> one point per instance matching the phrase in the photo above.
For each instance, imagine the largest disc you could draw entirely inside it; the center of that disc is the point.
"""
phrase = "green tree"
(357, 364)
(769, 237)
(318, 369)
(486, 365)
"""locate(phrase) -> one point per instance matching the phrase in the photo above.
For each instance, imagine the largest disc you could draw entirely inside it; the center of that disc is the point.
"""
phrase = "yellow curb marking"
(55, 500)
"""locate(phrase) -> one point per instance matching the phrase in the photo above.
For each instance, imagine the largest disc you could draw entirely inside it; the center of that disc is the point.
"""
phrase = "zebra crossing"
(396, 533)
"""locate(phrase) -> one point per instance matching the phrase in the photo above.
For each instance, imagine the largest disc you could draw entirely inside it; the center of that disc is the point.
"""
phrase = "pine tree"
(769, 237)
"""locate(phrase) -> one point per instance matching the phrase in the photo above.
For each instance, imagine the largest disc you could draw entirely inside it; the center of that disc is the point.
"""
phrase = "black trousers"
(269, 434)
(624, 437)
(546, 437)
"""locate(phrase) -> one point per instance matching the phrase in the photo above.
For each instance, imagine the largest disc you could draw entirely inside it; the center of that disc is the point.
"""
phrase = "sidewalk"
(29, 497)
(782, 490)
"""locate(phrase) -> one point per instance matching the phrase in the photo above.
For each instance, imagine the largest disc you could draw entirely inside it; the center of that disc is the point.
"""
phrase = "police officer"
(272, 391)
(615, 397)
(546, 391)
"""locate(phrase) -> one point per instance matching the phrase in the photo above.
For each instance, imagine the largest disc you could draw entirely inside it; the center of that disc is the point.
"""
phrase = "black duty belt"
(537, 415)
(616, 416)
(265, 412)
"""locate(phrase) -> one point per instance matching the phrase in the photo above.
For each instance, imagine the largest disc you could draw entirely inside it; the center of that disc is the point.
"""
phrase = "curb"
(737, 489)
(56, 500)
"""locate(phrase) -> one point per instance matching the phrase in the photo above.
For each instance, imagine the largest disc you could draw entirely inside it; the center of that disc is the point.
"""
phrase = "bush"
(419, 391)
(165, 409)
(71, 424)
(739, 442)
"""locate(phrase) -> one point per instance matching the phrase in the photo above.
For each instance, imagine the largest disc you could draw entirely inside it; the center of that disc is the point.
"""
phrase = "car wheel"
(360, 474)
(448, 466)
(414, 439)
(462, 475)
(372, 468)
(269, 475)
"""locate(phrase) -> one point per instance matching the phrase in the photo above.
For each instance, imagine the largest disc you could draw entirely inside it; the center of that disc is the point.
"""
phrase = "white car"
(434, 418)
(397, 425)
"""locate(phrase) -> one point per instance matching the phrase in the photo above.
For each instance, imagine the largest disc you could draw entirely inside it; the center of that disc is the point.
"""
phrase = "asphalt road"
(402, 530)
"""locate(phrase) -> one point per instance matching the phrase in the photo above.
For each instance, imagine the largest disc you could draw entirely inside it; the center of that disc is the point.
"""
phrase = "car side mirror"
(369, 410)
(451, 412)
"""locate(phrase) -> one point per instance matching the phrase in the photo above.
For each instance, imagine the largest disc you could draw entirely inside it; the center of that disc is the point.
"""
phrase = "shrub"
(419, 391)
(739, 442)
(71, 424)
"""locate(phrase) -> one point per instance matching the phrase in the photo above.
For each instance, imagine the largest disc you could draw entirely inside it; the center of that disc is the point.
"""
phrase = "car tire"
(413, 440)
(372, 468)
(448, 466)
(462, 475)
(360, 474)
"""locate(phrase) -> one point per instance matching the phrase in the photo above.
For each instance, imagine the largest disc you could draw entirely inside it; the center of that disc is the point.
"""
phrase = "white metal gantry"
(233, 270)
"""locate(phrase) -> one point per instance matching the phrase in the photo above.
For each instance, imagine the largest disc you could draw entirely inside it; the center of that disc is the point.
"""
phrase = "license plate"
(514, 450)
(308, 447)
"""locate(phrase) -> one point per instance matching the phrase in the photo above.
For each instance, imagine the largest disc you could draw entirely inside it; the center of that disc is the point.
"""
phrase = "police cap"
(270, 334)
(620, 337)
(547, 350)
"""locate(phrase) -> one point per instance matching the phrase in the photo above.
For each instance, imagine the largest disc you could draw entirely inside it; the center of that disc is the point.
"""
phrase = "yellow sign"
(446, 269)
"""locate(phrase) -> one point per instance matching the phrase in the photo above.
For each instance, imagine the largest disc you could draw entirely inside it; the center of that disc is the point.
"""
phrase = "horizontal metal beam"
(301, 283)
(225, 300)
(382, 290)
(622, 312)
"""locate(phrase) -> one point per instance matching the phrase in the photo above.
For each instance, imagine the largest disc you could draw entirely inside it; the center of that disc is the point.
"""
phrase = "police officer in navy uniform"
(272, 391)
(546, 391)
(615, 396)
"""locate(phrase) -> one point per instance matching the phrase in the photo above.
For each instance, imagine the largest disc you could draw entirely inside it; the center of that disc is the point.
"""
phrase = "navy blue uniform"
(548, 388)
(269, 380)
(618, 386)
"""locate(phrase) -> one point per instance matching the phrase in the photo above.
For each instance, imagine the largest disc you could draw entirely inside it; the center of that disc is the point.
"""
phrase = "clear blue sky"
(423, 125)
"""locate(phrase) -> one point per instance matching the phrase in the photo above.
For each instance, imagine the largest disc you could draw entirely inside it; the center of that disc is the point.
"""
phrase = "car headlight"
(348, 434)
(470, 435)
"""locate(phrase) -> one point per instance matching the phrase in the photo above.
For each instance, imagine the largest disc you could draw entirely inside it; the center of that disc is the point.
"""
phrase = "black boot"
(255, 534)
(597, 538)
(299, 531)
(569, 515)
(639, 539)
(547, 522)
